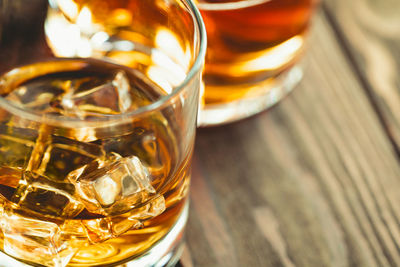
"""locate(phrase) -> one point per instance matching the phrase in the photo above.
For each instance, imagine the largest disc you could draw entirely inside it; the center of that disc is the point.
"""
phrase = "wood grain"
(370, 32)
(311, 182)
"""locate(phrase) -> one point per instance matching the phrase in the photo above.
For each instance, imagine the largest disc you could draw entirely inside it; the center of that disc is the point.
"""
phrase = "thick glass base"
(270, 93)
(165, 253)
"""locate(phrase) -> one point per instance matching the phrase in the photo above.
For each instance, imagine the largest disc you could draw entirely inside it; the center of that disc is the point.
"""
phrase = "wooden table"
(314, 181)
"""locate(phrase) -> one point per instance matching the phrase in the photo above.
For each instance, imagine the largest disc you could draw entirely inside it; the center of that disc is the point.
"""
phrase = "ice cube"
(9, 180)
(143, 143)
(16, 146)
(38, 95)
(112, 97)
(128, 144)
(102, 229)
(3, 202)
(121, 83)
(96, 230)
(10, 176)
(35, 240)
(42, 195)
(153, 208)
(114, 187)
(59, 156)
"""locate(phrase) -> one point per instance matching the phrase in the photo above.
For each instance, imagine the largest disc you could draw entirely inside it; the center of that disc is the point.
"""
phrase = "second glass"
(252, 55)
(253, 49)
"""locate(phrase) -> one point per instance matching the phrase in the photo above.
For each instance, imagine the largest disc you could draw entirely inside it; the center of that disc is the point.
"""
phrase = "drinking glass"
(253, 53)
(253, 50)
(94, 156)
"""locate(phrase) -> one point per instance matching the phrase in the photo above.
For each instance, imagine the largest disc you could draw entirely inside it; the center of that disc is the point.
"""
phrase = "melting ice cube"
(40, 194)
(143, 143)
(114, 188)
(102, 229)
(9, 177)
(38, 95)
(16, 146)
(109, 98)
(35, 240)
(55, 157)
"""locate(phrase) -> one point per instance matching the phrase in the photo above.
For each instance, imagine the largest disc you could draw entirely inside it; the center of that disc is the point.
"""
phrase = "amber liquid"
(250, 42)
(55, 181)
(121, 31)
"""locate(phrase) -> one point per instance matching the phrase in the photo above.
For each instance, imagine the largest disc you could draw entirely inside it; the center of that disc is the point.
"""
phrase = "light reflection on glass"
(69, 8)
(267, 60)
(84, 21)
(70, 40)
(158, 74)
(167, 42)
(168, 55)
(274, 57)
(63, 37)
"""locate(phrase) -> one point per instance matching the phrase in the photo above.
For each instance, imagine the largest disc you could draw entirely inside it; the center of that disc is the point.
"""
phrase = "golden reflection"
(133, 59)
(275, 57)
(20, 75)
(121, 17)
(266, 60)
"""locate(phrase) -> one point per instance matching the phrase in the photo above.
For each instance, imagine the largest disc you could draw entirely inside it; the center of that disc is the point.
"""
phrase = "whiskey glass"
(94, 156)
(253, 49)
(253, 54)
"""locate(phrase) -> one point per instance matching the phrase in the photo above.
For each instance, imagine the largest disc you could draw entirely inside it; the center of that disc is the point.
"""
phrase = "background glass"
(252, 54)
(95, 157)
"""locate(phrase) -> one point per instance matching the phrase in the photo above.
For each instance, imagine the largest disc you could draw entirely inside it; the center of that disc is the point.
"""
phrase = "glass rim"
(160, 103)
(229, 5)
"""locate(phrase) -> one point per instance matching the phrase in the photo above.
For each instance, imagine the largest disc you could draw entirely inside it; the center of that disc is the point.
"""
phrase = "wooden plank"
(370, 30)
(312, 182)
